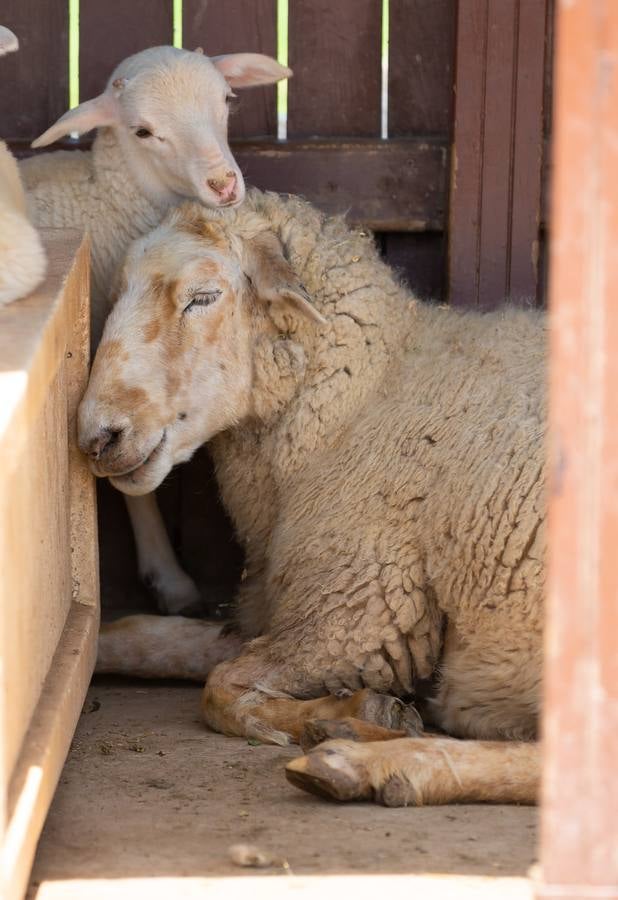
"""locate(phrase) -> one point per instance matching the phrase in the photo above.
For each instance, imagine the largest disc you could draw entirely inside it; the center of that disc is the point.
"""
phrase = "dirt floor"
(150, 802)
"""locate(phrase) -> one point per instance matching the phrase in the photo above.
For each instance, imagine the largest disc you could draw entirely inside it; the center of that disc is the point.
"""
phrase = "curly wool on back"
(390, 492)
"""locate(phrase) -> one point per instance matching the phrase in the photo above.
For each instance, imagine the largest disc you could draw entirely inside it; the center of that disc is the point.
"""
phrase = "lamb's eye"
(202, 298)
(143, 133)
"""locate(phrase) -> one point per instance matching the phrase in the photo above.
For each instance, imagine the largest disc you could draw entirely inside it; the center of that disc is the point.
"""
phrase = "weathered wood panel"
(113, 30)
(527, 150)
(579, 838)
(398, 185)
(233, 26)
(421, 66)
(334, 51)
(387, 185)
(34, 82)
(48, 547)
(497, 154)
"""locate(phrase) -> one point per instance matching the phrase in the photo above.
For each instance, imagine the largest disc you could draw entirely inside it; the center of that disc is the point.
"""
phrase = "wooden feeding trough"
(49, 586)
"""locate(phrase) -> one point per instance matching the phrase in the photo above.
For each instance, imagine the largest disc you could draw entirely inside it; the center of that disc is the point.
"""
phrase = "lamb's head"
(169, 112)
(178, 358)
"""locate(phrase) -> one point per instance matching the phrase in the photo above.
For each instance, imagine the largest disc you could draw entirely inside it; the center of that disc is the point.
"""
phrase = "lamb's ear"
(242, 70)
(274, 279)
(102, 110)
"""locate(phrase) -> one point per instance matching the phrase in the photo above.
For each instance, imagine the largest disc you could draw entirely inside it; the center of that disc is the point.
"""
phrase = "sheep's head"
(169, 111)
(177, 361)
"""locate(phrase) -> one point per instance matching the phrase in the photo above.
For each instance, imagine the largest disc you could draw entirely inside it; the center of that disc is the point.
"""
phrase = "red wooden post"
(579, 840)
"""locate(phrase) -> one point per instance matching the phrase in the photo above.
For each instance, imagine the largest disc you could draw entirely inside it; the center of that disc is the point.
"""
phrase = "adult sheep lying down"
(382, 461)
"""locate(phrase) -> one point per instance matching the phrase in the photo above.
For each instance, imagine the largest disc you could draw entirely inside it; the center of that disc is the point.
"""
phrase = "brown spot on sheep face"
(216, 320)
(162, 289)
(151, 331)
(130, 397)
(197, 226)
(173, 383)
(111, 349)
(170, 294)
(157, 284)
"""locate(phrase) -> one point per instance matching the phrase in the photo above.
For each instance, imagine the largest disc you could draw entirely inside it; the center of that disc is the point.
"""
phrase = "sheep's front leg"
(420, 772)
(175, 591)
(251, 697)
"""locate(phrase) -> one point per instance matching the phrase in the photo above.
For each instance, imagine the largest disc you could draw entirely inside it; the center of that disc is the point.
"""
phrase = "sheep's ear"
(8, 41)
(273, 277)
(242, 70)
(102, 110)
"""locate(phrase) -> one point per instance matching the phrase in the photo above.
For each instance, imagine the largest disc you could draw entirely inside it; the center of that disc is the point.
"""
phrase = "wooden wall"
(454, 193)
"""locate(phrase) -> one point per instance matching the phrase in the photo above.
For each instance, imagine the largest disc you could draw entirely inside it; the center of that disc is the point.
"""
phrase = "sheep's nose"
(95, 447)
(224, 186)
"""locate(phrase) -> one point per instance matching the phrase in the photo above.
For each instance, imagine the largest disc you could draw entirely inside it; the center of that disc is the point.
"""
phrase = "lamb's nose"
(94, 447)
(224, 186)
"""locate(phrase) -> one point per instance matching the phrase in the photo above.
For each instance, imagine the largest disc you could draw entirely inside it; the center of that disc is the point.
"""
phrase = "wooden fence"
(454, 192)
(490, 56)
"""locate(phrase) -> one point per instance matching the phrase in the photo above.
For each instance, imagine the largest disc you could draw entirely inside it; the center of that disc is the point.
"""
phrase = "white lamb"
(22, 258)
(162, 136)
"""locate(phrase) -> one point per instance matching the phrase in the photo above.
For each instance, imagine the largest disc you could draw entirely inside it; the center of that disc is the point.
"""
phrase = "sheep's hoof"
(176, 594)
(328, 772)
(391, 713)
(316, 731)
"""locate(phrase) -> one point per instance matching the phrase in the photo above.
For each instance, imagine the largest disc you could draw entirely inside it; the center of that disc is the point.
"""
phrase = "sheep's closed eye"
(202, 298)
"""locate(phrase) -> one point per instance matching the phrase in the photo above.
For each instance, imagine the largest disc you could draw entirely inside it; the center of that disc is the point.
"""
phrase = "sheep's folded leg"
(418, 772)
(164, 647)
(316, 731)
(238, 700)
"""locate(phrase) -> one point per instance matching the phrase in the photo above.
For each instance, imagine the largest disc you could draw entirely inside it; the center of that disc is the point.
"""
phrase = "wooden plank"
(334, 51)
(498, 152)
(82, 487)
(548, 96)
(466, 158)
(403, 181)
(421, 62)
(35, 80)
(388, 186)
(233, 26)
(113, 30)
(528, 149)
(46, 746)
(579, 835)
(48, 561)
(420, 260)
(495, 200)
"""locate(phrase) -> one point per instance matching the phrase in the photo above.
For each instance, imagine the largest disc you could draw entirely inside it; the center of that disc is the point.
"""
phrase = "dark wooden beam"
(388, 186)
(396, 185)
